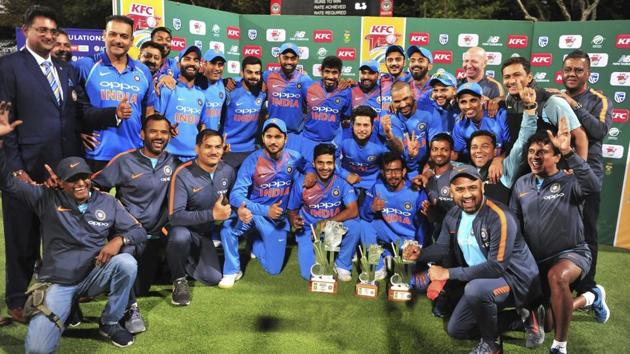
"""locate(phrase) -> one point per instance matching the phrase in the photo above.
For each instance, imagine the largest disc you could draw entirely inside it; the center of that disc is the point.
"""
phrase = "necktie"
(52, 81)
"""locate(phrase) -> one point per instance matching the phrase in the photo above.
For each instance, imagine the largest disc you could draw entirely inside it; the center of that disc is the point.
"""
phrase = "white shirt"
(40, 61)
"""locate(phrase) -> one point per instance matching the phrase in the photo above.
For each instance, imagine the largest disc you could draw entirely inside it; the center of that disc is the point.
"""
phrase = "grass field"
(264, 314)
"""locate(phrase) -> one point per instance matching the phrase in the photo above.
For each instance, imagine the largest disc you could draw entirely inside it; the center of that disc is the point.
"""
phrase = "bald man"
(475, 62)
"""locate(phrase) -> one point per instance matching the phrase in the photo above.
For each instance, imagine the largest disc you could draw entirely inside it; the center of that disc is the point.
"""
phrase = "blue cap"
(443, 76)
(395, 48)
(422, 50)
(212, 54)
(370, 65)
(275, 122)
(289, 46)
(188, 50)
(470, 87)
(464, 170)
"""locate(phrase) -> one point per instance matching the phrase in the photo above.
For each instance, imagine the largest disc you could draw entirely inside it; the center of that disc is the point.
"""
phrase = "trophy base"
(399, 294)
(322, 286)
(366, 291)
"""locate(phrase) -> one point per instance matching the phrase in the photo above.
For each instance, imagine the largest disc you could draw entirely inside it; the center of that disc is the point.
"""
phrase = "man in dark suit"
(44, 94)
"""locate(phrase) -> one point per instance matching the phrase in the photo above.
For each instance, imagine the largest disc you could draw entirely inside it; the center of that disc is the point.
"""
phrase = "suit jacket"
(50, 131)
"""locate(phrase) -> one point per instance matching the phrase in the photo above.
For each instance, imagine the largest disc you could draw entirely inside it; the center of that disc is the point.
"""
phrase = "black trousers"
(189, 253)
(589, 217)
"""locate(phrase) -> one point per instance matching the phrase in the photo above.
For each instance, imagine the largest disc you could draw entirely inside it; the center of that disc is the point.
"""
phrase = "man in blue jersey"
(420, 63)
(211, 83)
(262, 190)
(326, 106)
(391, 210)
(284, 89)
(443, 88)
(395, 63)
(469, 99)
(113, 78)
(368, 90)
(331, 199)
(243, 112)
(151, 54)
(163, 36)
(184, 106)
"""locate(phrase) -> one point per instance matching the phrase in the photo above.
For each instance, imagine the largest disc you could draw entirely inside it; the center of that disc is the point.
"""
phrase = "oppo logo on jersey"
(287, 95)
(98, 223)
(392, 215)
(276, 189)
(244, 111)
(359, 166)
(188, 110)
(325, 205)
(553, 196)
(276, 184)
(213, 104)
(324, 114)
(325, 109)
(119, 86)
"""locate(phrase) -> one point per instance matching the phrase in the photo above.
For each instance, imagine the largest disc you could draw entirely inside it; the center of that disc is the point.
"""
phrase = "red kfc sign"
(252, 50)
(233, 32)
(558, 77)
(273, 66)
(623, 41)
(517, 41)
(442, 57)
(460, 73)
(178, 44)
(541, 59)
(419, 38)
(620, 115)
(347, 53)
(322, 36)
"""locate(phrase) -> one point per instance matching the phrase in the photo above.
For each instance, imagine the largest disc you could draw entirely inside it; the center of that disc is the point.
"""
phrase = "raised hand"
(244, 214)
(123, 111)
(527, 94)
(386, 123)
(562, 140)
(412, 144)
(353, 178)
(275, 211)
(221, 212)
(53, 180)
(378, 204)
(5, 126)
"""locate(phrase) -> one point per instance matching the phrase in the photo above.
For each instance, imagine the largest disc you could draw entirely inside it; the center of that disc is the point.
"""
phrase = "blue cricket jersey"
(449, 115)
(422, 95)
(286, 97)
(363, 160)
(168, 68)
(324, 111)
(322, 201)
(106, 87)
(465, 127)
(184, 106)
(215, 98)
(241, 118)
(372, 98)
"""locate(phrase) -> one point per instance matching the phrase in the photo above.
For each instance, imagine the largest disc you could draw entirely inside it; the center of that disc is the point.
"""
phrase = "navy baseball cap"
(422, 50)
(71, 167)
(188, 50)
(370, 65)
(469, 87)
(212, 54)
(464, 170)
(394, 48)
(443, 76)
(275, 122)
(288, 46)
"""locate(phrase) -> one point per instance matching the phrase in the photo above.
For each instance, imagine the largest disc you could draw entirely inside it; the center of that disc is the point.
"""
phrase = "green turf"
(265, 314)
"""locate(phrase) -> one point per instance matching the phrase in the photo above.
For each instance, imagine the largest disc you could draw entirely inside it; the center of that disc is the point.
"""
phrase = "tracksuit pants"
(192, 253)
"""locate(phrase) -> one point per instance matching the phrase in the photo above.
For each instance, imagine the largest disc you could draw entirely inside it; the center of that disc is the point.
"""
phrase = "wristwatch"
(17, 173)
(578, 105)
(530, 106)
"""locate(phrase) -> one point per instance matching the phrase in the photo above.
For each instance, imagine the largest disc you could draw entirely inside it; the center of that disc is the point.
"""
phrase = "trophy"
(322, 272)
(400, 290)
(367, 287)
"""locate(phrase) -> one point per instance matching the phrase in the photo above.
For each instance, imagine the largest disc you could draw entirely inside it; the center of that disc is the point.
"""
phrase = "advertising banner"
(85, 42)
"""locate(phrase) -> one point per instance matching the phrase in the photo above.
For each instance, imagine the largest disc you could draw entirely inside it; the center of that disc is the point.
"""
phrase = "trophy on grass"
(367, 287)
(322, 272)
(399, 289)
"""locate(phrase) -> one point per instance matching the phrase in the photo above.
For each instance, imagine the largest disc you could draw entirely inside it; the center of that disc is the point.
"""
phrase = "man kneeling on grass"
(80, 258)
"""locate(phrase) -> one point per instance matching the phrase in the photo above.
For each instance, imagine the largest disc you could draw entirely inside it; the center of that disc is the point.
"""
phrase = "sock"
(590, 298)
(562, 346)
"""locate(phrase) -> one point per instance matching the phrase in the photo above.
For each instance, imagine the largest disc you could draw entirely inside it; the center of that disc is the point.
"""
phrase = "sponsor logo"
(620, 115)
(597, 41)
(543, 41)
(443, 38)
(321, 53)
(442, 57)
(553, 196)
(468, 40)
(198, 44)
(322, 36)
(233, 32)
(234, 50)
(177, 24)
(276, 35)
(570, 41)
(346, 53)
(218, 46)
(216, 30)
(612, 151)
(233, 66)
(347, 70)
(303, 53)
(396, 211)
(286, 94)
(252, 50)
(101, 74)
(317, 70)
(98, 223)
(460, 73)
(381, 35)
(623, 60)
(273, 66)
(620, 78)
(493, 41)
(558, 78)
(541, 77)
(325, 205)
(62, 209)
(136, 175)
(299, 36)
(517, 41)
(275, 51)
(490, 74)
(620, 96)
(346, 36)
(613, 133)
(197, 27)
(622, 41)
(419, 38)
(115, 85)
(190, 110)
(252, 34)
(276, 184)
(494, 58)
(593, 78)
(598, 60)
(541, 59)
(178, 44)
(196, 189)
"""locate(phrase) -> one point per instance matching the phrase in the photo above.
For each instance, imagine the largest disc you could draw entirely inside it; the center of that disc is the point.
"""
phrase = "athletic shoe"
(380, 274)
(556, 350)
(441, 308)
(181, 292)
(343, 274)
(534, 327)
(120, 337)
(487, 348)
(602, 313)
(76, 316)
(133, 320)
(228, 280)
(217, 243)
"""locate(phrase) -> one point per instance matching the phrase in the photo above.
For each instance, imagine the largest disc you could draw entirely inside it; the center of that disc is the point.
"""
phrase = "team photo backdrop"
(355, 39)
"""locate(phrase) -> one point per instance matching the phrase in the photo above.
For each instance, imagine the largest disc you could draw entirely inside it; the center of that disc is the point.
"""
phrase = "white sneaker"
(217, 243)
(380, 274)
(228, 280)
(343, 274)
(252, 255)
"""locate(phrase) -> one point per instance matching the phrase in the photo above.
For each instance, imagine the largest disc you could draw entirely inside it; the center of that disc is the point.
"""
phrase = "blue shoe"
(602, 313)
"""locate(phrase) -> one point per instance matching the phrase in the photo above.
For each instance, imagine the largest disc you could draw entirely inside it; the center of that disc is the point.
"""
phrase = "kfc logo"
(233, 32)
(442, 57)
(381, 35)
(252, 50)
(322, 36)
(467, 40)
(273, 66)
(570, 41)
(541, 59)
(460, 74)
(558, 78)
(276, 35)
(620, 115)
(419, 38)
(517, 41)
(347, 53)
(620, 78)
(623, 41)
(139, 9)
(598, 60)
(178, 44)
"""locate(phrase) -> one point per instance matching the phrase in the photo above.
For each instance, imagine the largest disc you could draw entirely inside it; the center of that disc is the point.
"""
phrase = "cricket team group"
(497, 183)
